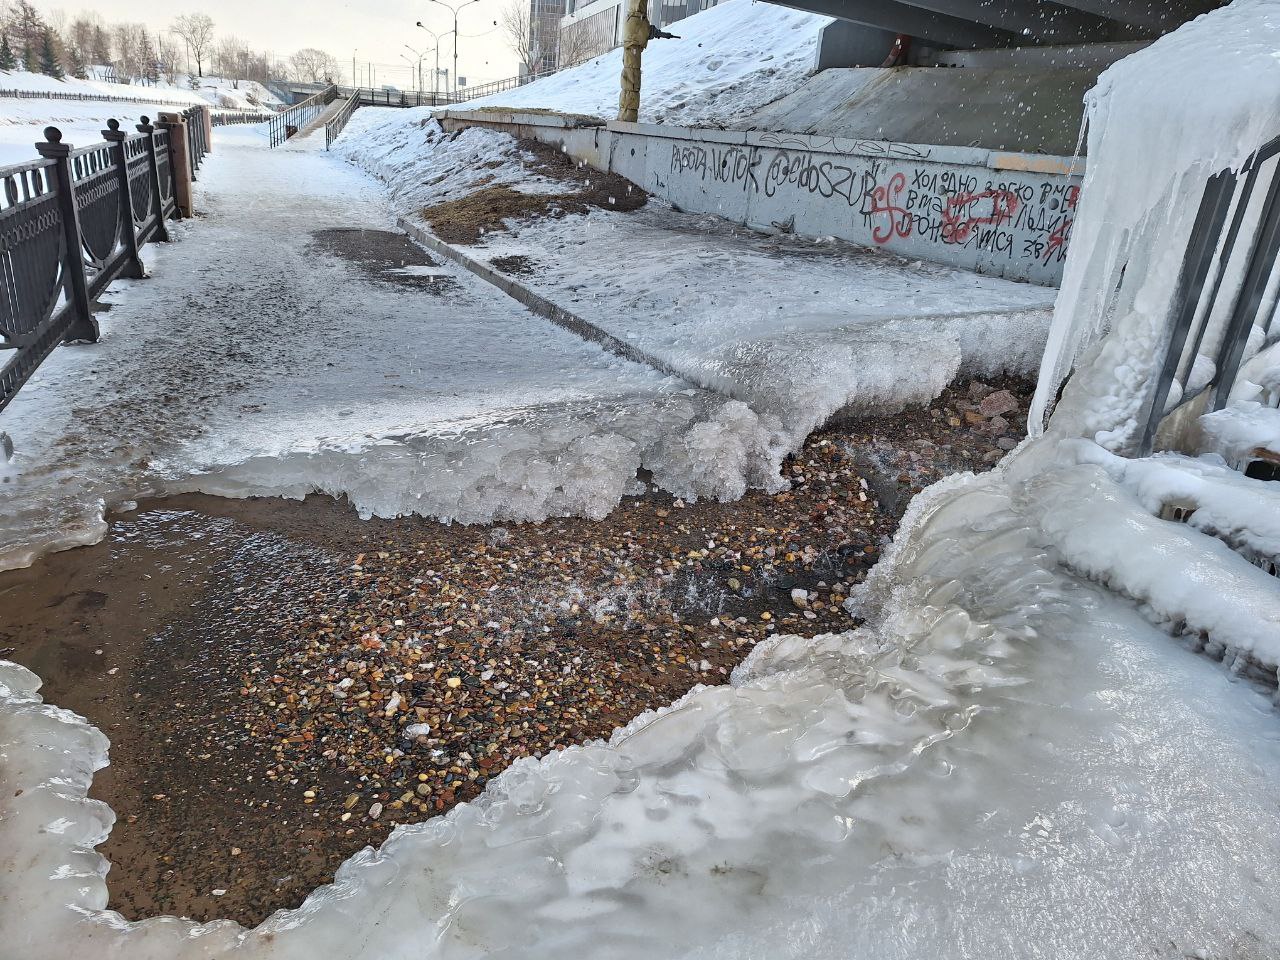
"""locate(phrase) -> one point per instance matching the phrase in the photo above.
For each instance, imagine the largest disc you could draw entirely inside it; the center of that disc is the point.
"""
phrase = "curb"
(537, 303)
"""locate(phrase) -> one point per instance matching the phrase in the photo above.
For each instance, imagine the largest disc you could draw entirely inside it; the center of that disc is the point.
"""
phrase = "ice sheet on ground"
(730, 60)
(302, 374)
(796, 328)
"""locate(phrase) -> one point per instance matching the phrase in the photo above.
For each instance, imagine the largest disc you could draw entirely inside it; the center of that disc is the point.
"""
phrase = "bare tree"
(581, 42)
(310, 65)
(516, 21)
(169, 57)
(196, 30)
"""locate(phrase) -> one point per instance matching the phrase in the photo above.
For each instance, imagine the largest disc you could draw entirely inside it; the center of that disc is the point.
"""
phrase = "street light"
(436, 37)
(454, 11)
(422, 55)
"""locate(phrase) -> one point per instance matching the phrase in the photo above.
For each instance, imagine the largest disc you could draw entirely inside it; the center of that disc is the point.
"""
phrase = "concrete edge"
(537, 303)
(781, 140)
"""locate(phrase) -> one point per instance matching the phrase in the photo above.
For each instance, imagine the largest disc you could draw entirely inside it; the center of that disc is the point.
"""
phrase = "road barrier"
(74, 220)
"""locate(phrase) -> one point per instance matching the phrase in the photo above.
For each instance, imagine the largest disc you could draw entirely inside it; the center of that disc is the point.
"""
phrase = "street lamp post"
(454, 11)
(435, 77)
(422, 55)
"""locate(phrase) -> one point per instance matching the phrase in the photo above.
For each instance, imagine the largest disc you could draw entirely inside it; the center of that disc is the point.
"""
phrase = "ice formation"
(357, 382)
(796, 329)
(1006, 761)
(1134, 218)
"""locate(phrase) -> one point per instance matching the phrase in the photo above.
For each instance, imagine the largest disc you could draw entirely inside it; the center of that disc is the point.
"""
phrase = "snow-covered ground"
(249, 364)
(795, 328)
(215, 91)
(730, 60)
(1006, 761)
(23, 119)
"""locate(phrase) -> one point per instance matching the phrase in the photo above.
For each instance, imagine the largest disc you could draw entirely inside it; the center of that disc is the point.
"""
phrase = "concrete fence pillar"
(180, 162)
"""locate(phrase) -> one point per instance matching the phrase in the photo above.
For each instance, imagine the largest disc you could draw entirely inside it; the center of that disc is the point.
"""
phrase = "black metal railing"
(285, 124)
(339, 121)
(222, 118)
(92, 97)
(1204, 324)
(70, 223)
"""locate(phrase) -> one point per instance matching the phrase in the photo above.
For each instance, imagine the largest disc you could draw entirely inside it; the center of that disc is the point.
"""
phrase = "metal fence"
(70, 223)
(93, 97)
(222, 118)
(1206, 324)
(288, 122)
(339, 122)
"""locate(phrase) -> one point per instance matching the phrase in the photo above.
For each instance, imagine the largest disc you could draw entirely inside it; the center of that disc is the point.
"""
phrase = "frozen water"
(1007, 764)
(253, 363)
(1135, 216)
(797, 329)
(1006, 761)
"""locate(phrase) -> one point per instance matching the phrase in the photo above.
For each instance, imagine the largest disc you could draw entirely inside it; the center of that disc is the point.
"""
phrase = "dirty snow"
(729, 61)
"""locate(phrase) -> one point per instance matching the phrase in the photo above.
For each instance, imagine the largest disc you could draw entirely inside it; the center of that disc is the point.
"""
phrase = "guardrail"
(339, 121)
(226, 117)
(1213, 254)
(498, 86)
(288, 122)
(92, 97)
(73, 221)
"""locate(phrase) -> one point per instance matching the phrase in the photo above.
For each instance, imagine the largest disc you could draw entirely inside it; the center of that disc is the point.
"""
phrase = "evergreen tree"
(76, 64)
(49, 64)
(30, 62)
(7, 59)
(101, 51)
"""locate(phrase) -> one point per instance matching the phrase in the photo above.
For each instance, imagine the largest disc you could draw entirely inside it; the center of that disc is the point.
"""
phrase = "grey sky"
(374, 32)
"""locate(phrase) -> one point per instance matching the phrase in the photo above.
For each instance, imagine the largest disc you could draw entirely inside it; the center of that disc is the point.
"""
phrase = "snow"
(1006, 761)
(216, 91)
(796, 329)
(22, 123)
(730, 60)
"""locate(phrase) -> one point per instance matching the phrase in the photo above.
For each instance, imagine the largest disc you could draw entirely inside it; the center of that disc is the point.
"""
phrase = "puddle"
(386, 256)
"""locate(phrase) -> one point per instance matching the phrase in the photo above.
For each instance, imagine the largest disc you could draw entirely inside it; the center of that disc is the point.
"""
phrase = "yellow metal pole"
(635, 37)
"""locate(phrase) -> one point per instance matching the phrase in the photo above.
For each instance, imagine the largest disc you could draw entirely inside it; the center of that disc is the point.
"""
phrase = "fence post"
(132, 268)
(153, 171)
(83, 326)
(179, 162)
(206, 116)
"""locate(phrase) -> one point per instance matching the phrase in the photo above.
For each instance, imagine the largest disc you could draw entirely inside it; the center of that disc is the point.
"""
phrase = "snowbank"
(729, 61)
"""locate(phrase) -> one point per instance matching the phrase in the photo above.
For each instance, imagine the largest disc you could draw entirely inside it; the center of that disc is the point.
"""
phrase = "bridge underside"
(974, 24)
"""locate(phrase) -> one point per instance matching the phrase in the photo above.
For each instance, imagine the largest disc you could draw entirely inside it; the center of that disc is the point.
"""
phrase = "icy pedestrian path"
(797, 328)
(273, 352)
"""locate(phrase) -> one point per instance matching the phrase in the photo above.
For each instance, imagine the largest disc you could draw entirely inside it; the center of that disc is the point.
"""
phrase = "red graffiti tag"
(885, 200)
(959, 220)
(1057, 242)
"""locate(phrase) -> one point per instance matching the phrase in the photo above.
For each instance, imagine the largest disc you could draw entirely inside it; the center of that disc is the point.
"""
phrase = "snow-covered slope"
(729, 61)
(215, 91)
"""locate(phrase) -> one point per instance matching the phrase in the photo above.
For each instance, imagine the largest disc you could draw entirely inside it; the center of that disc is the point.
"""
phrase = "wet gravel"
(287, 682)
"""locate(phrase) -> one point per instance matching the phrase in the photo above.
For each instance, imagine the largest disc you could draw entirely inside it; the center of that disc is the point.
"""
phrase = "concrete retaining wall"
(1003, 214)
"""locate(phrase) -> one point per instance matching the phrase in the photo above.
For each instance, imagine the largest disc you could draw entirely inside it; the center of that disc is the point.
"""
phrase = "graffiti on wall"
(1018, 217)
